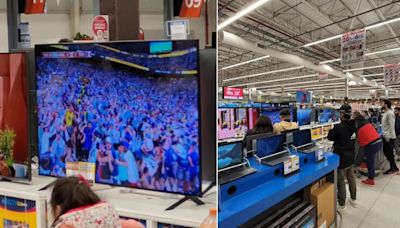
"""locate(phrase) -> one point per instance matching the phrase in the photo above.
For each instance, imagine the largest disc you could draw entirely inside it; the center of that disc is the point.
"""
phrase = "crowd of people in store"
(140, 131)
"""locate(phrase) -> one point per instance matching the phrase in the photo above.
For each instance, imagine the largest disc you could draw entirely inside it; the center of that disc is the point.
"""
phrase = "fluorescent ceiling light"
(367, 54)
(288, 84)
(264, 73)
(295, 86)
(366, 28)
(246, 62)
(322, 41)
(382, 23)
(364, 68)
(242, 13)
(378, 80)
(372, 75)
(277, 80)
(383, 51)
(330, 61)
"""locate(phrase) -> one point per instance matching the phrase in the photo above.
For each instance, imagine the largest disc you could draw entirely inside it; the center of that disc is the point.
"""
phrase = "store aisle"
(379, 206)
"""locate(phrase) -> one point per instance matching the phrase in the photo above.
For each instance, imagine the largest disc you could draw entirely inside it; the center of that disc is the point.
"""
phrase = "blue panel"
(160, 47)
(260, 191)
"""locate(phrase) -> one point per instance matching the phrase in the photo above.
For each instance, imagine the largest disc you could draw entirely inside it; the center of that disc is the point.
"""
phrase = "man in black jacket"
(343, 137)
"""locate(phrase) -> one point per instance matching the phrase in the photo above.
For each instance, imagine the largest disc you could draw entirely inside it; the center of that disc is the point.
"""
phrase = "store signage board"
(101, 28)
(178, 29)
(191, 8)
(353, 47)
(233, 93)
(391, 74)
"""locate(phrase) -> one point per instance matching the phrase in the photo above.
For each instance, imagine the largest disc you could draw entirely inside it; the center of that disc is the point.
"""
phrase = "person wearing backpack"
(369, 139)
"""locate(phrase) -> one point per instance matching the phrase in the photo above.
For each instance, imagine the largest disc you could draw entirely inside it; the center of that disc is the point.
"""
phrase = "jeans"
(388, 148)
(370, 152)
(346, 173)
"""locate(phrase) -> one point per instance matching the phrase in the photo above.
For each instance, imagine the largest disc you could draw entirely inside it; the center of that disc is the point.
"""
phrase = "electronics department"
(107, 118)
(308, 113)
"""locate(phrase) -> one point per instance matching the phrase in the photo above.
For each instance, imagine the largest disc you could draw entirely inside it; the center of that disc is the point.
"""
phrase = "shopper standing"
(397, 129)
(389, 136)
(370, 141)
(285, 124)
(343, 138)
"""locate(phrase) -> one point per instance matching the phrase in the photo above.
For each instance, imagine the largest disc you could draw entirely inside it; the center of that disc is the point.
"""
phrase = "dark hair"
(70, 193)
(263, 125)
(397, 109)
(388, 103)
(370, 110)
(357, 115)
(285, 113)
(346, 99)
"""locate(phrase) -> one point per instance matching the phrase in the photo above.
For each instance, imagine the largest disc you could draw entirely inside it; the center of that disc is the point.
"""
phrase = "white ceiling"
(286, 25)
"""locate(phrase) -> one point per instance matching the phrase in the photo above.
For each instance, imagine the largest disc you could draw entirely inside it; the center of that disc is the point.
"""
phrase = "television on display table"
(130, 108)
(15, 162)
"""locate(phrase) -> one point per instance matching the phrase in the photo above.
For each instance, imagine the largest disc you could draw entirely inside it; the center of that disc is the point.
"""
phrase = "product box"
(309, 189)
(295, 162)
(323, 200)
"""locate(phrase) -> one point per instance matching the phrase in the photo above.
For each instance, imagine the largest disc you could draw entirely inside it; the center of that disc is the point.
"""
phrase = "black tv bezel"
(200, 193)
(241, 157)
(28, 127)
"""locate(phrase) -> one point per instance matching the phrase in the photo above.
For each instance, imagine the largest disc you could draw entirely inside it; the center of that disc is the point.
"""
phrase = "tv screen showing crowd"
(132, 111)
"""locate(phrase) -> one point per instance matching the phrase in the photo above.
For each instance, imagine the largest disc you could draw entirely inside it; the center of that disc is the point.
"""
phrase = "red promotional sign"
(233, 93)
(191, 8)
(34, 6)
(100, 28)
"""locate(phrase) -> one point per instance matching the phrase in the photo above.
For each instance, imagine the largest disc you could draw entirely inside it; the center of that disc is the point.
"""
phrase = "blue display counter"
(245, 198)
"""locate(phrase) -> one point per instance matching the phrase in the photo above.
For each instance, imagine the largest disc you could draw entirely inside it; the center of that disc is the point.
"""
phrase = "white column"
(75, 17)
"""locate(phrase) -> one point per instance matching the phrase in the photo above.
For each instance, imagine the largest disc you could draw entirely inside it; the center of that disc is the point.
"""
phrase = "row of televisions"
(232, 153)
(131, 108)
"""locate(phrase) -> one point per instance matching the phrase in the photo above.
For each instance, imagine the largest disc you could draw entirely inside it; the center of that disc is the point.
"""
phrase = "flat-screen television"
(274, 114)
(303, 97)
(270, 145)
(133, 113)
(335, 116)
(301, 137)
(324, 115)
(304, 116)
(14, 146)
(230, 154)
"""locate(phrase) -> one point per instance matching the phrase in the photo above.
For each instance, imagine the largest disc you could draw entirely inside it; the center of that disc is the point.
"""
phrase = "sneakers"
(353, 203)
(368, 182)
(341, 208)
(391, 172)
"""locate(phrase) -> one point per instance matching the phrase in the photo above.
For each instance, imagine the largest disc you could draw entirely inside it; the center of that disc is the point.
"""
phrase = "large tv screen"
(133, 113)
(14, 146)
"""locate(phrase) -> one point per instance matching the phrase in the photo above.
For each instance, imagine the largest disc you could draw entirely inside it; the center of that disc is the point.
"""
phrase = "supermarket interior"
(308, 113)
(107, 114)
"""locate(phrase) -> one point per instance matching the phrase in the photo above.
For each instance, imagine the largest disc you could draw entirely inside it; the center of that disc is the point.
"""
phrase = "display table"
(145, 206)
(250, 202)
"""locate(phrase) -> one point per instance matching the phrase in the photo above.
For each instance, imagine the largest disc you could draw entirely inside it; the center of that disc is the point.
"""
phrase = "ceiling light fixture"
(263, 73)
(366, 28)
(276, 80)
(364, 68)
(245, 62)
(242, 13)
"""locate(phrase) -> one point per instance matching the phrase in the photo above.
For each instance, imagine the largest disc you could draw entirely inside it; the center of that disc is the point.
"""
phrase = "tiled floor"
(379, 206)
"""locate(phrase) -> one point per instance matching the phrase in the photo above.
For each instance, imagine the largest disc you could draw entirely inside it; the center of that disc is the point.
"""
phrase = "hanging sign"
(353, 47)
(391, 74)
(101, 28)
(188, 8)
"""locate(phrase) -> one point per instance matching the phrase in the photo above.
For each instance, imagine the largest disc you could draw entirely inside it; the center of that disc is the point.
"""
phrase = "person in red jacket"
(370, 140)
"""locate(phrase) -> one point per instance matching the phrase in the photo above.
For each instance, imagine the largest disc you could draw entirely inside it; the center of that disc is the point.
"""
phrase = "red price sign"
(191, 8)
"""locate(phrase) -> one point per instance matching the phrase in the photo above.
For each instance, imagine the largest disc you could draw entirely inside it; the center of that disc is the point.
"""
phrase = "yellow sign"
(316, 133)
(16, 212)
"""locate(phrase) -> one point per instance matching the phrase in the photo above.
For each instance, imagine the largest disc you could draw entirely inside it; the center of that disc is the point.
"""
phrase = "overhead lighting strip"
(246, 62)
(263, 73)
